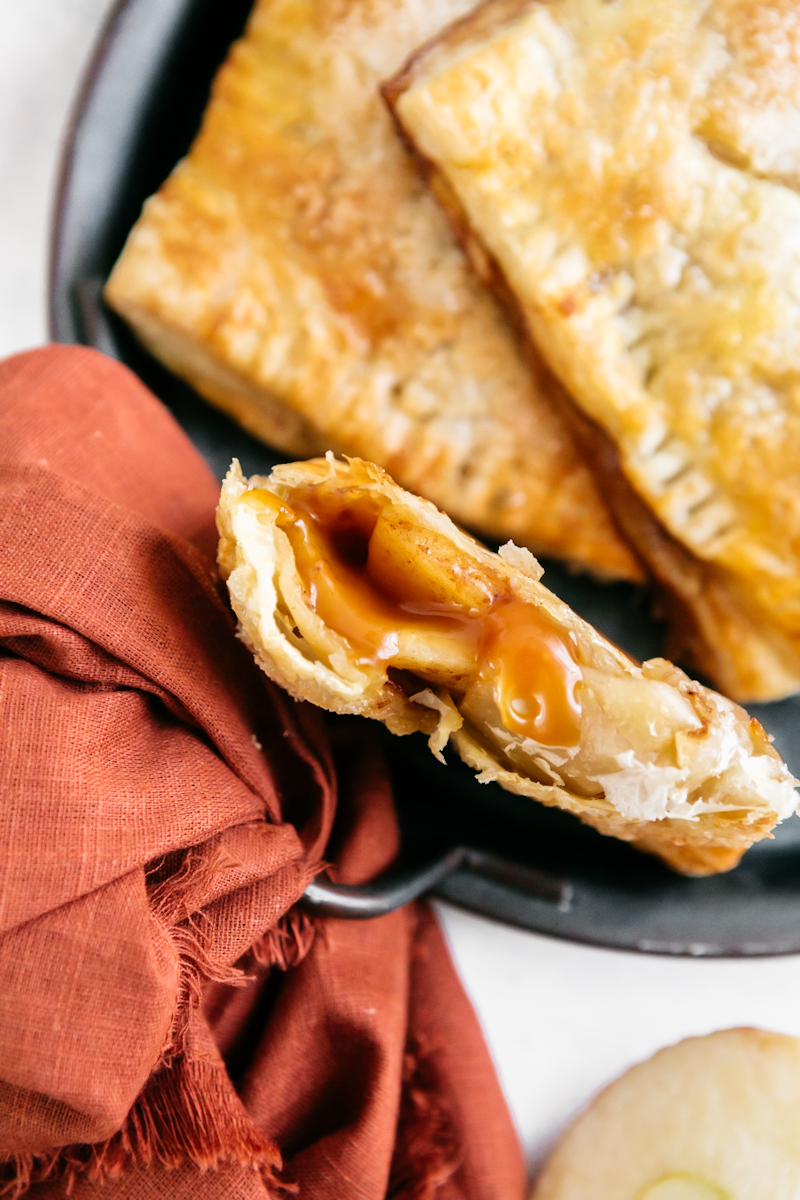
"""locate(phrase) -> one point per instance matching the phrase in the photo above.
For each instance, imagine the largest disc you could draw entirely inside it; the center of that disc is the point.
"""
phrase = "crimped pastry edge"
(711, 627)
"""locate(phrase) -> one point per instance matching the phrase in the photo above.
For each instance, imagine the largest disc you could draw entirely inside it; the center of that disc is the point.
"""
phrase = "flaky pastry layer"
(295, 271)
(632, 169)
(642, 753)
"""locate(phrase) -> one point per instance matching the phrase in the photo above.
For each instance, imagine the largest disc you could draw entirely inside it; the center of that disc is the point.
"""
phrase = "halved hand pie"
(362, 598)
(629, 173)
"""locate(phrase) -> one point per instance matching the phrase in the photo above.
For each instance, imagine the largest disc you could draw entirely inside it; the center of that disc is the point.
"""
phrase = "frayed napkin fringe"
(427, 1151)
(287, 943)
(188, 1111)
(175, 902)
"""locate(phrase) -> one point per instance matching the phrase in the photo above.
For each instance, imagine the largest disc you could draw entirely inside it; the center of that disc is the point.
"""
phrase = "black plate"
(140, 106)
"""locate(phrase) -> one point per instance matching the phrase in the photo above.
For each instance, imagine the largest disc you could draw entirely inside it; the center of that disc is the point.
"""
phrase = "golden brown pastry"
(362, 598)
(712, 1118)
(630, 172)
(295, 270)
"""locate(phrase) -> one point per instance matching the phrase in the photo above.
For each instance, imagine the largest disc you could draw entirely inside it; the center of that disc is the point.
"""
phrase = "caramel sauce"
(331, 545)
(375, 588)
(536, 673)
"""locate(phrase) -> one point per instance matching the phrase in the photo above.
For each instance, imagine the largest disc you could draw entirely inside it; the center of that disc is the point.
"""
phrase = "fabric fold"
(171, 1023)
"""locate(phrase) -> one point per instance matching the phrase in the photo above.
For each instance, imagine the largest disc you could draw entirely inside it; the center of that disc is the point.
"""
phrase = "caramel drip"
(331, 551)
(532, 661)
(366, 592)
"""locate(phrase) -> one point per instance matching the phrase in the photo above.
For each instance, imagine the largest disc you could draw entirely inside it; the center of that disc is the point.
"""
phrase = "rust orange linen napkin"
(171, 1025)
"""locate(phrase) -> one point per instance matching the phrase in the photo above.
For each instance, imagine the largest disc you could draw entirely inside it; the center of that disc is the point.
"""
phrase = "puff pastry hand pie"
(295, 270)
(631, 171)
(360, 597)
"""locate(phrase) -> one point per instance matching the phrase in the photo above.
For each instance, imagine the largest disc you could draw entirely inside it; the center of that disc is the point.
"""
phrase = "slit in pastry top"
(362, 598)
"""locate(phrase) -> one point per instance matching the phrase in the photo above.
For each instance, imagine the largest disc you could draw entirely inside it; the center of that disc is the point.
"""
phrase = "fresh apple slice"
(712, 1118)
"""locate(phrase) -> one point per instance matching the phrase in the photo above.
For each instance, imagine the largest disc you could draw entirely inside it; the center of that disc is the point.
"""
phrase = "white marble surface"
(44, 45)
(561, 1020)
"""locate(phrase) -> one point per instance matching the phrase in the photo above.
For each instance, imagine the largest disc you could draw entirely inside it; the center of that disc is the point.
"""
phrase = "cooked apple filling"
(378, 582)
(362, 598)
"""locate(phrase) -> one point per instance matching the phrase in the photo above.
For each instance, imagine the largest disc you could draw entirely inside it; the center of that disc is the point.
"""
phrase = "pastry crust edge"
(697, 598)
